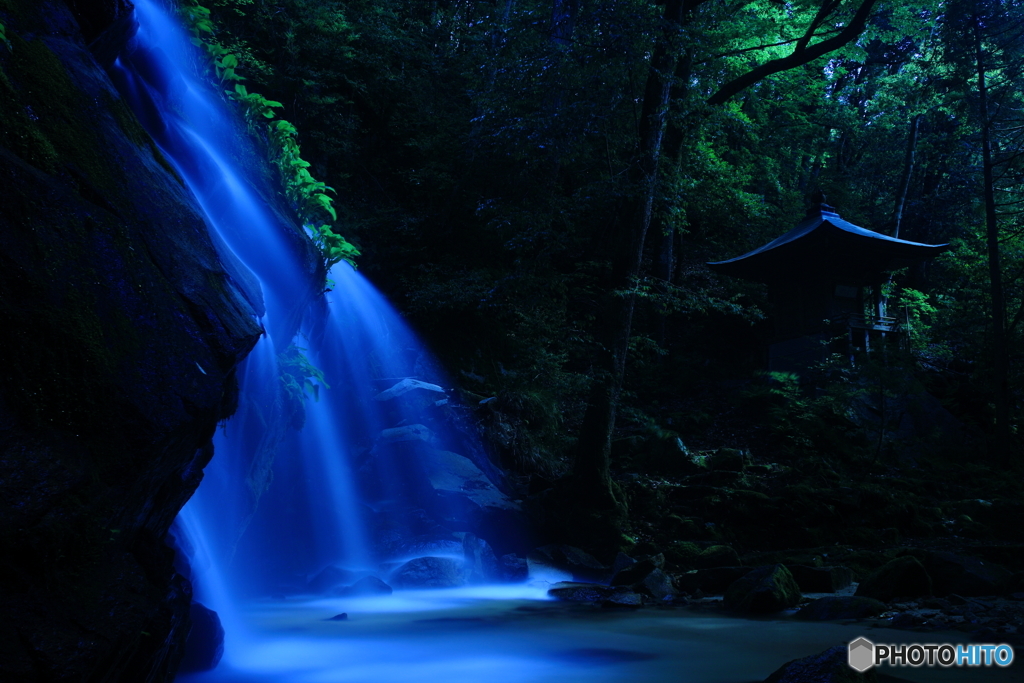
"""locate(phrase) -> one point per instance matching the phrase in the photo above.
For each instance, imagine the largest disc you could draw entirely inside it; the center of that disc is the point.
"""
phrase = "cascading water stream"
(246, 537)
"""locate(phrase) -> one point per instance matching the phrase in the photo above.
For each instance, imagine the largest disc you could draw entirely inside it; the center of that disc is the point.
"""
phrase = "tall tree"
(593, 458)
(984, 38)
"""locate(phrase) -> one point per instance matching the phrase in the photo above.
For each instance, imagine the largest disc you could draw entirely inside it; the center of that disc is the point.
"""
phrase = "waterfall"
(345, 454)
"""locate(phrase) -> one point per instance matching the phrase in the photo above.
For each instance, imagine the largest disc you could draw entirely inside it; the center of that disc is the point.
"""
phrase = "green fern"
(298, 375)
(308, 195)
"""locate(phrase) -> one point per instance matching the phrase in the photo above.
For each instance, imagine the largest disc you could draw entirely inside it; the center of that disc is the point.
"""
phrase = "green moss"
(134, 131)
(11, 8)
(45, 117)
(126, 120)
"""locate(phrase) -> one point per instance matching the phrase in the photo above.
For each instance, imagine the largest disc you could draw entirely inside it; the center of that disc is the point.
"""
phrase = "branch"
(826, 9)
(744, 50)
(798, 57)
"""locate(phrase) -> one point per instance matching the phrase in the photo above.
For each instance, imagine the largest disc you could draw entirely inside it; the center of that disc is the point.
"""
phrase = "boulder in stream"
(429, 572)
(330, 577)
(409, 385)
(638, 571)
(961, 574)
(657, 585)
(830, 666)
(710, 581)
(840, 607)
(205, 644)
(481, 565)
(770, 588)
(820, 579)
(416, 432)
(571, 591)
(368, 585)
(903, 577)
(581, 565)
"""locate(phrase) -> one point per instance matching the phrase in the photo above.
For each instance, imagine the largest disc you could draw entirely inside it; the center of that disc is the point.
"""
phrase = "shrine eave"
(823, 244)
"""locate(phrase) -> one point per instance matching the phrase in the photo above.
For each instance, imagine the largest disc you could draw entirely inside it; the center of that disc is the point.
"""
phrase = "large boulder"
(407, 433)
(368, 585)
(429, 572)
(961, 574)
(456, 476)
(902, 577)
(582, 566)
(424, 545)
(767, 589)
(121, 331)
(820, 579)
(205, 645)
(481, 565)
(638, 571)
(830, 666)
(711, 581)
(657, 585)
(410, 385)
(328, 578)
(461, 491)
(840, 607)
(572, 591)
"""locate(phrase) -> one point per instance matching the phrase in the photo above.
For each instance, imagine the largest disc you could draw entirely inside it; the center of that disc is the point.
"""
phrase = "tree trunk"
(1000, 353)
(908, 171)
(593, 457)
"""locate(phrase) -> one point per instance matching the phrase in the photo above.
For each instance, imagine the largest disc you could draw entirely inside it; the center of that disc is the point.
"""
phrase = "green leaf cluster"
(307, 194)
(298, 375)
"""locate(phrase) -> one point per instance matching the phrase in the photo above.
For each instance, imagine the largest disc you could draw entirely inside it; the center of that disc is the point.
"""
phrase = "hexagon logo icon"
(861, 654)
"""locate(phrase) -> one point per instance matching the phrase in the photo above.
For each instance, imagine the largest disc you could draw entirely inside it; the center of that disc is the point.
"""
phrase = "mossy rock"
(764, 590)
(902, 577)
(731, 459)
(717, 556)
(837, 607)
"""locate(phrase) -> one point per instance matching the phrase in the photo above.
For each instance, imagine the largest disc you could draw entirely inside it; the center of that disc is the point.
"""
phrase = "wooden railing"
(881, 323)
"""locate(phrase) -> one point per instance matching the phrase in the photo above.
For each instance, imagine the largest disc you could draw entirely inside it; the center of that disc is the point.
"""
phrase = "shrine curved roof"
(825, 243)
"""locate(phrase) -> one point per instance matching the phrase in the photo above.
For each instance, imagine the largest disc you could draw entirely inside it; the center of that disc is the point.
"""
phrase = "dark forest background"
(538, 187)
(488, 158)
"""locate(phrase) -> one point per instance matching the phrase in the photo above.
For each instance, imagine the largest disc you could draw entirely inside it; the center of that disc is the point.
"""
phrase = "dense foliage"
(488, 158)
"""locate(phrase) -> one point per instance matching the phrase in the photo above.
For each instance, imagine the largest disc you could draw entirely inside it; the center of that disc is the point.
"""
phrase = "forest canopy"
(539, 185)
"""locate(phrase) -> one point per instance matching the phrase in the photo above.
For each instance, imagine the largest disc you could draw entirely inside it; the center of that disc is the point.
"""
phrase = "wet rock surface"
(766, 589)
(829, 666)
(841, 607)
(121, 331)
(368, 585)
(205, 645)
(901, 577)
(429, 572)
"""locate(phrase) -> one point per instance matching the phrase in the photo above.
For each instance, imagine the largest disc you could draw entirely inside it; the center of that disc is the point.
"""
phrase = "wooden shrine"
(824, 280)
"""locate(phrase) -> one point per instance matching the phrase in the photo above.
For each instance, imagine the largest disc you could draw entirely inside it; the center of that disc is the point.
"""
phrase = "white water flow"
(288, 495)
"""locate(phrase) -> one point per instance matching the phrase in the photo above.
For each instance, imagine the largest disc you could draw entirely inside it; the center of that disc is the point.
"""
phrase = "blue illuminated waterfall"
(353, 469)
(349, 458)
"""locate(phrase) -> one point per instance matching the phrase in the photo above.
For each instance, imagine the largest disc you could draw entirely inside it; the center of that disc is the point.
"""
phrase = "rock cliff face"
(119, 335)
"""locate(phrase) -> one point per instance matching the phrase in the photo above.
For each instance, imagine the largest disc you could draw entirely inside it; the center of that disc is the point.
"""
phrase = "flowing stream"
(280, 503)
